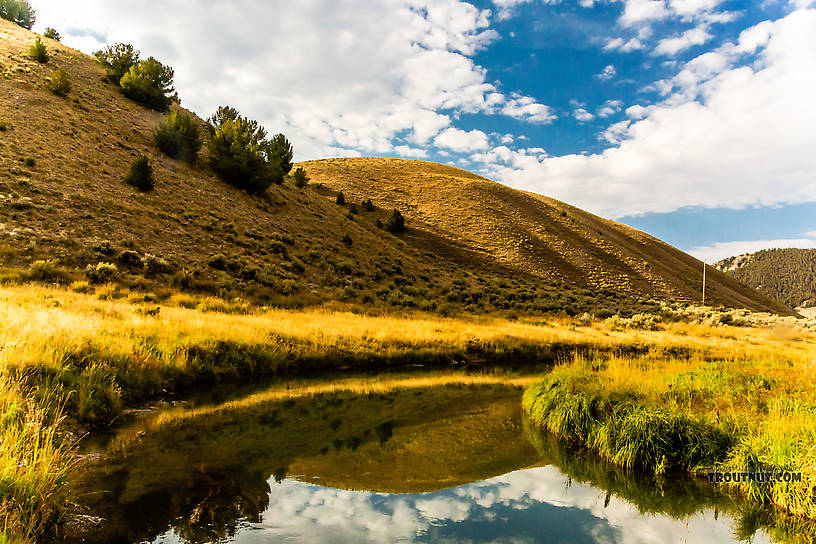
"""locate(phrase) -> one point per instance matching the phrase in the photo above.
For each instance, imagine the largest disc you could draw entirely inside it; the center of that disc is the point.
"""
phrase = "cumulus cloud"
(582, 115)
(642, 11)
(693, 7)
(610, 108)
(339, 78)
(725, 136)
(694, 36)
(607, 73)
(462, 141)
(505, 7)
(632, 44)
(527, 109)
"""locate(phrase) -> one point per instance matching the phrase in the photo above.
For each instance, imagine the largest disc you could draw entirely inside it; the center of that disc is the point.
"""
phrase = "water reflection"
(413, 464)
(531, 505)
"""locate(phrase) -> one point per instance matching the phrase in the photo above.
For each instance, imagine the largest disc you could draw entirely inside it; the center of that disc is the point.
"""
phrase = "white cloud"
(582, 115)
(637, 111)
(694, 36)
(617, 133)
(642, 11)
(505, 7)
(341, 77)
(721, 250)
(610, 107)
(607, 73)
(462, 141)
(625, 46)
(693, 7)
(408, 151)
(729, 134)
(527, 109)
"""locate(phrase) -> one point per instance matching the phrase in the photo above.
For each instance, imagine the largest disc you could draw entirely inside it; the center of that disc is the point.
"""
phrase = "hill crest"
(471, 244)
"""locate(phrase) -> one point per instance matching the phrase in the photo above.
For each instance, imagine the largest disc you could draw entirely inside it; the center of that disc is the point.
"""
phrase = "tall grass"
(88, 357)
(34, 461)
(730, 415)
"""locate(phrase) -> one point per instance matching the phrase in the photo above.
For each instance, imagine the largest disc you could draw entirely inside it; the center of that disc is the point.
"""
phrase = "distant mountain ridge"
(786, 275)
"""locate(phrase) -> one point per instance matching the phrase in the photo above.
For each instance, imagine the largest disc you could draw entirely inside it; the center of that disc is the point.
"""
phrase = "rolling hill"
(786, 275)
(470, 243)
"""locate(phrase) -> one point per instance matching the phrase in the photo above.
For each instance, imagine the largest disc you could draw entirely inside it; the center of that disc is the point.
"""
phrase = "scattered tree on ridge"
(38, 52)
(178, 136)
(240, 152)
(52, 33)
(140, 174)
(300, 178)
(341, 198)
(59, 83)
(395, 223)
(117, 59)
(149, 82)
(19, 12)
(281, 150)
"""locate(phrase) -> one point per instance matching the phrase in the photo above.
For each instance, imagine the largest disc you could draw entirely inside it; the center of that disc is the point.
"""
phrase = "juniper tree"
(240, 151)
(19, 12)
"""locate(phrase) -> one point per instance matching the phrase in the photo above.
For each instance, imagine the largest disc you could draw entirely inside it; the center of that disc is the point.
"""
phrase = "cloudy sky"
(691, 119)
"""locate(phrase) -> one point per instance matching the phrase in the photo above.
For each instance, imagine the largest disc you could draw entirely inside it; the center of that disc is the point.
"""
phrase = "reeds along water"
(35, 460)
(695, 415)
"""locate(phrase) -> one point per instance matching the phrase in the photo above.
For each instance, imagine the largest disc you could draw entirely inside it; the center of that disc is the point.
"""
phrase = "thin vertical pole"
(704, 281)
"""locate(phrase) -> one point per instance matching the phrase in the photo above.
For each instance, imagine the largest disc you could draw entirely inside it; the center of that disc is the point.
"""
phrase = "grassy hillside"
(485, 222)
(786, 275)
(471, 243)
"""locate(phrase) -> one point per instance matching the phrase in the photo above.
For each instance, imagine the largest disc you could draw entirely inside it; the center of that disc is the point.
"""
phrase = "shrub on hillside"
(117, 59)
(178, 136)
(149, 82)
(59, 83)
(341, 198)
(300, 178)
(82, 287)
(52, 34)
(280, 150)
(240, 152)
(218, 261)
(130, 257)
(19, 12)
(347, 240)
(155, 266)
(368, 205)
(101, 273)
(140, 174)
(395, 223)
(45, 270)
(38, 52)
(3, 126)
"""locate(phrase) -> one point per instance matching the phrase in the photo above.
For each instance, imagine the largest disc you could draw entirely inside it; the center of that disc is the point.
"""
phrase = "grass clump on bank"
(34, 461)
(730, 415)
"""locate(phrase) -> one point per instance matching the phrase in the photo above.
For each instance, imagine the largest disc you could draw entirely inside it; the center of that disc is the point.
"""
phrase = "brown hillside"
(471, 243)
(530, 233)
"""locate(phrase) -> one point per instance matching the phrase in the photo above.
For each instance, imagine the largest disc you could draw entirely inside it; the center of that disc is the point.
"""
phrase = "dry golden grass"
(103, 353)
(488, 222)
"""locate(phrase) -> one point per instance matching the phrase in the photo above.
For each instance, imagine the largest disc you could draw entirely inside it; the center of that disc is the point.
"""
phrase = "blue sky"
(690, 119)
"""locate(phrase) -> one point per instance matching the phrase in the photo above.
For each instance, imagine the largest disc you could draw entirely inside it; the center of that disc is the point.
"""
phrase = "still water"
(396, 460)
